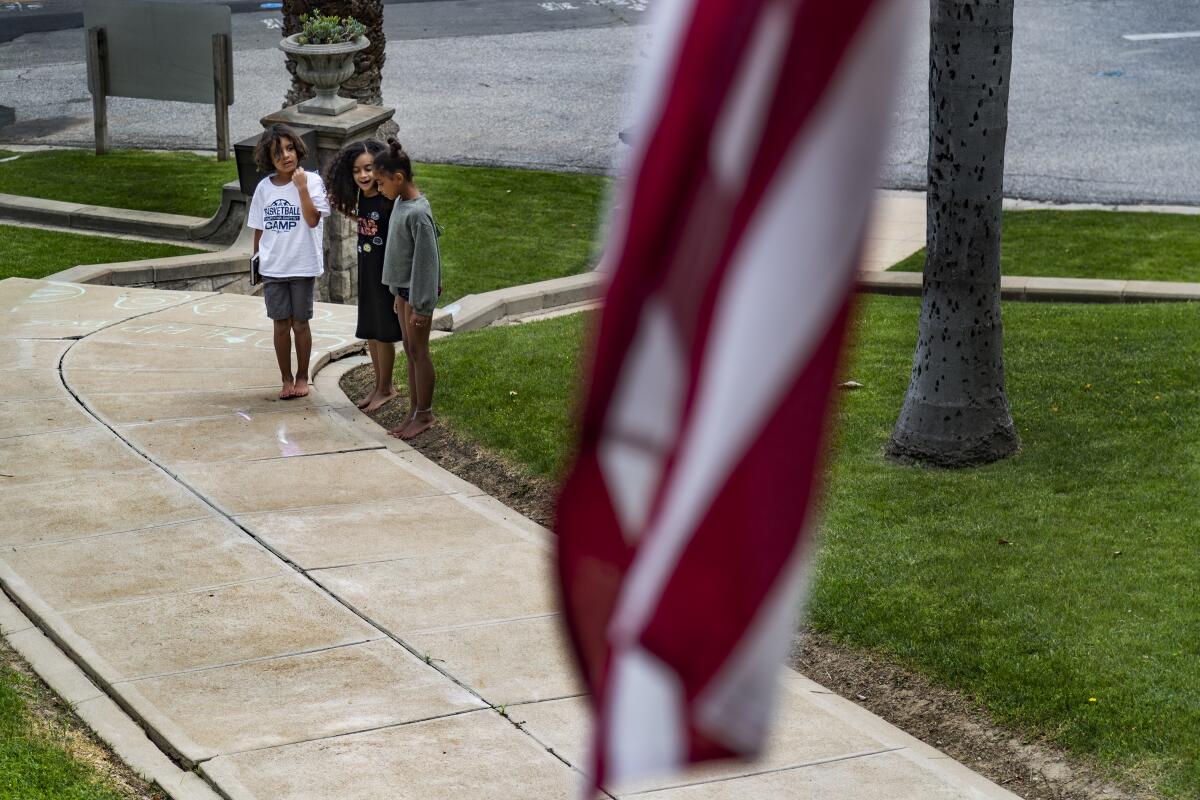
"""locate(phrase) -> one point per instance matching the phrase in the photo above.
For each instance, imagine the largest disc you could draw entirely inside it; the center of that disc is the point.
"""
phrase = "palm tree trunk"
(956, 412)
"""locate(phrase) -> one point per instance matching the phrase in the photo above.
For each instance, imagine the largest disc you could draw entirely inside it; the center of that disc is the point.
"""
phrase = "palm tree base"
(911, 447)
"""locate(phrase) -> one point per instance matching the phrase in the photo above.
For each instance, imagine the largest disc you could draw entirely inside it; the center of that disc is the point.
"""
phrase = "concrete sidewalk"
(293, 605)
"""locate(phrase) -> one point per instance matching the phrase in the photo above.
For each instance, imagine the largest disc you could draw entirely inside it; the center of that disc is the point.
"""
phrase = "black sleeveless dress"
(376, 319)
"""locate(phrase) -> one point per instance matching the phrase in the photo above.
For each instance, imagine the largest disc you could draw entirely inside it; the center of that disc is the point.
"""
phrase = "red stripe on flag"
(590, 567)
(749, 532)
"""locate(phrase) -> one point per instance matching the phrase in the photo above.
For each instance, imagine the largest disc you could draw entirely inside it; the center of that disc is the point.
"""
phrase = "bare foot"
(378, 401)
(288, 391)
(399, 429)
(301, 388)
(368, 399)
(417, 426)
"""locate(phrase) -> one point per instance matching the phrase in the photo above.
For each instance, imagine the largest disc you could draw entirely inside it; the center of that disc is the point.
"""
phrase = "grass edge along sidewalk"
(1058, 595)
(1113, 245)
(504, 226)
(37, 252)
(47, 753)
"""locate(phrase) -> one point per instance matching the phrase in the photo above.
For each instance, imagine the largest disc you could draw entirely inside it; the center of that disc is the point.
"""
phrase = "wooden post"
(222, 81)
(97, 66)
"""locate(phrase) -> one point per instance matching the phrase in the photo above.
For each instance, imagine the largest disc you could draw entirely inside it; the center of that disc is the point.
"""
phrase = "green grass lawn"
(171, 183)
(511, 389)
(504, 227)
(37, 761)
(1095, 597)
(36, 253)
(1095, 244)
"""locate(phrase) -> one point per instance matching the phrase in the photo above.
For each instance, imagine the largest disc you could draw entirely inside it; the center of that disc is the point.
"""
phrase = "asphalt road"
(1093, 116)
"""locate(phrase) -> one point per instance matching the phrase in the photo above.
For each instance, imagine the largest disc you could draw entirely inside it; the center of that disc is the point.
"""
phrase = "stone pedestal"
(339, 284)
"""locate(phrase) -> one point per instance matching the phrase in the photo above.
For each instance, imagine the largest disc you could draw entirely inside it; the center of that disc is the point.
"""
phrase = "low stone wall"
(224, 271)
(222, 228)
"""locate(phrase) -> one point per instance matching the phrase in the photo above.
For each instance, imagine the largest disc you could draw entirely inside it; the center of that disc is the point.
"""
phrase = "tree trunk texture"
(956, 413)
(365, 85)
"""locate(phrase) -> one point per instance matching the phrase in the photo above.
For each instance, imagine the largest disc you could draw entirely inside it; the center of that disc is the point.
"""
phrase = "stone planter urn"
(326, 67)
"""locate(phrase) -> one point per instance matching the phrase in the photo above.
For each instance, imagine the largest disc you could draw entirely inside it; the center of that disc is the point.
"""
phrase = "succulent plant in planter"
(319, 28)
(324, 52)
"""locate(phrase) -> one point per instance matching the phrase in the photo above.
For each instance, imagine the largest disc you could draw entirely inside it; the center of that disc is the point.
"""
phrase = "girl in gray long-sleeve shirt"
(412, 269)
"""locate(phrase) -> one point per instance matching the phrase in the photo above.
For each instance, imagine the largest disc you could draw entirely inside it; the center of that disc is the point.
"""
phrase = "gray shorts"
(289, 298)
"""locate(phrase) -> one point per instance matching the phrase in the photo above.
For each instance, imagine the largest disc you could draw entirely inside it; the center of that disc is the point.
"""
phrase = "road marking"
(632, 5)
(1147, 37)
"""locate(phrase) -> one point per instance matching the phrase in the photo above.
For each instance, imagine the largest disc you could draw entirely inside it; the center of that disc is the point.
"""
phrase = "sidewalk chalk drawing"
(85, 325)
(143, 302)
(219, 337)
(216, 307)
(55, 293)
(230, 336)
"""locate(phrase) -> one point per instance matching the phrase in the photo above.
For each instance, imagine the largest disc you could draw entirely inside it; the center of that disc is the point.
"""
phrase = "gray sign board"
(160, 50)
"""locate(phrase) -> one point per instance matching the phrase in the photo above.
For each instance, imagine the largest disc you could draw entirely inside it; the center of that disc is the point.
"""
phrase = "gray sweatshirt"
(411, 259)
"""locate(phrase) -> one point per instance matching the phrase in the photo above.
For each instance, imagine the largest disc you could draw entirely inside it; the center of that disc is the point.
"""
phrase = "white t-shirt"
(288, 247)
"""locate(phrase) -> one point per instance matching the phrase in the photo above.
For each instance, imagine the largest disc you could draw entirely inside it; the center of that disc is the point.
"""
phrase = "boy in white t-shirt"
(286, 215)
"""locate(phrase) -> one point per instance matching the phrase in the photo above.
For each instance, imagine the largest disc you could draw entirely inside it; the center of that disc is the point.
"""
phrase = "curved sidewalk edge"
(291, 605)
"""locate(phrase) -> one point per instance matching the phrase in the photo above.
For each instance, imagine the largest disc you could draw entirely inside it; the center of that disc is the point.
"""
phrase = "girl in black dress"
(353, 191)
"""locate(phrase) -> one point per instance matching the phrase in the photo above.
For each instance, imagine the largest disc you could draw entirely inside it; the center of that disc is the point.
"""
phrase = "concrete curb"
(96, 709)
(222, 228)
(480, 310)
(1060, 290)
(1023, 204)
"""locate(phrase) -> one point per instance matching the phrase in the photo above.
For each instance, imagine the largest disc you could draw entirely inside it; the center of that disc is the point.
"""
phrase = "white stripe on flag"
(739, 128)
(643, 418)
(647, 708)
(785, 284)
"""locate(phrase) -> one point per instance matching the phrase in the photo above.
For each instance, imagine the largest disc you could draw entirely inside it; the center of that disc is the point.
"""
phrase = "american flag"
(682, 524)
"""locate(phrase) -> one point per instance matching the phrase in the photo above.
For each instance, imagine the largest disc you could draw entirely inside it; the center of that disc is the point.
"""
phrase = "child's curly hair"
(393, 159)
(339, 175)
(271, 144)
